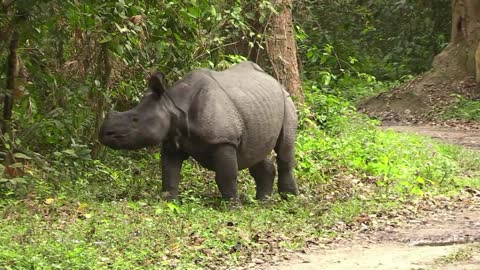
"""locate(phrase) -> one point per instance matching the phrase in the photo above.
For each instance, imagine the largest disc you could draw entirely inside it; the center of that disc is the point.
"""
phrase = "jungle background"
(69, 203)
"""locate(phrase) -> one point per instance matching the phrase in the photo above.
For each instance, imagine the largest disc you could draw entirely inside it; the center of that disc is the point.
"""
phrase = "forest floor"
(448, 239)
(438, 234)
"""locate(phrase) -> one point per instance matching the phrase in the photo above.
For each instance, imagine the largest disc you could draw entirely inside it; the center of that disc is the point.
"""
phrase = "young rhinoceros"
(227, 121)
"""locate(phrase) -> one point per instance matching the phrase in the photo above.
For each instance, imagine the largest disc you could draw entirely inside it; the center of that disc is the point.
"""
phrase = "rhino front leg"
(264, 174)
(172, 161)
(226, 170)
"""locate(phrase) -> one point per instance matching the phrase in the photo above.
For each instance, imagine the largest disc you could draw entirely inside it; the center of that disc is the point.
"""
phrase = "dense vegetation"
(69, 203)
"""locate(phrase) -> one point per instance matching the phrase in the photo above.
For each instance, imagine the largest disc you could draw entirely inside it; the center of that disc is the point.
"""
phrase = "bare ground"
(439, 234)
(438, 239)
(423, 99)
(465, 135)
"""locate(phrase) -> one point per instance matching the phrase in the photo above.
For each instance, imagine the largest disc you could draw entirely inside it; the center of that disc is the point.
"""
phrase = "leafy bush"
(387, 39)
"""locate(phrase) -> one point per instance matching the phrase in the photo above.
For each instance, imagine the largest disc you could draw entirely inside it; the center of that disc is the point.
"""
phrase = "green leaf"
(17, 180)
(16, 165)
(121, 29)
(21, 155)
(213, 11)
(173, 207)
(70, 152)
(105, 39)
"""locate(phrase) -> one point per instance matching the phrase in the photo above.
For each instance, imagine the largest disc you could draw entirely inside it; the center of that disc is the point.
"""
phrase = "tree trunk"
(12, 72)
(458, 59)
(105, 66)
(282, 49)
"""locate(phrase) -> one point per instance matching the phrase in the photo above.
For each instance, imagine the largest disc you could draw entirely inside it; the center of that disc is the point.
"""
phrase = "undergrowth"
(72, 211)
(463, 108)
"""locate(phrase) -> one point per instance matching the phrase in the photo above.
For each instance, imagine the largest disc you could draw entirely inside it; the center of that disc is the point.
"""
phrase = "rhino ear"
(156, 82)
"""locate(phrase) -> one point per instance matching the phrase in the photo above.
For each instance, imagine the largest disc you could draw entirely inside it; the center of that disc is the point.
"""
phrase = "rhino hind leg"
(264, 175)
(285, 150)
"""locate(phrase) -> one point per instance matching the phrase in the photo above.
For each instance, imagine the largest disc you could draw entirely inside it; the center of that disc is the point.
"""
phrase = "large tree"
(282, 49)
(454, 70)
(458, 59)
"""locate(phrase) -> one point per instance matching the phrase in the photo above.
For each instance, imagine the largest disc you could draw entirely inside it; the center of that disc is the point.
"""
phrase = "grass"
(463, 108)
(140, 234)
(105, 214)
(398, 162)
(461, 255)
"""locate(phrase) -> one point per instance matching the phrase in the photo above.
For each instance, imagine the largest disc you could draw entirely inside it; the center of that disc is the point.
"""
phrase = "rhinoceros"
(226, 120)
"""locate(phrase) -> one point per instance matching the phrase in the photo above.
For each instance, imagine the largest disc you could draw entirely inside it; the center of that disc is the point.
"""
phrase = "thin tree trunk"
(60, 52)
(12, 72)
(100, 99)
(282, 50)
(477, 65)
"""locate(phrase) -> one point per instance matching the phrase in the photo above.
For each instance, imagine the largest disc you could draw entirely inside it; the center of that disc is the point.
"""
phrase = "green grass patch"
(463, 108)
(61, 233)
(460, 255)
(120, 235)
(400, 163)
(78, 213)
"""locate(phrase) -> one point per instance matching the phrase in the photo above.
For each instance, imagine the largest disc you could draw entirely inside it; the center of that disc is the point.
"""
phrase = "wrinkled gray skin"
(227, 121)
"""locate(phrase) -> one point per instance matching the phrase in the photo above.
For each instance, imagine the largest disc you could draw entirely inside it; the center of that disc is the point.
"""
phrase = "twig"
(216, 48)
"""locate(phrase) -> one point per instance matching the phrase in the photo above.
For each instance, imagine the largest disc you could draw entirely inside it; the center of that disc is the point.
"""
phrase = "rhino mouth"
(119, 144)
(125, 141)
(115, 140)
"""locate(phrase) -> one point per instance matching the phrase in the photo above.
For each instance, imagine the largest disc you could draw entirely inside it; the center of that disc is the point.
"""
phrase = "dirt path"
(443, 240)
(462, 135)
(383, 256)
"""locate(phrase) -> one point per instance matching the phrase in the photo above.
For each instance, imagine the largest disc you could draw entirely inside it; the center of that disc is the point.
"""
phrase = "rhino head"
(147, 124)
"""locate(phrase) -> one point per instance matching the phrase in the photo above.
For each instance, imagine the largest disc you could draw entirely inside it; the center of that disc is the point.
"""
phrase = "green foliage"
(64, 58)
(324, 74)
(63, 209)
(71, 228)
(388, 39)
(463, 108)
(399, 163)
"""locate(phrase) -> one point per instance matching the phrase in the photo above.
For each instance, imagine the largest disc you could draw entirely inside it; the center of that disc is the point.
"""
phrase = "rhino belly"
(250, 154)
(262, 111)
(262, 126)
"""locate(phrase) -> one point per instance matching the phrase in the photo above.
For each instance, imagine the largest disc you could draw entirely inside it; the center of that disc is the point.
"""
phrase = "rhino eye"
(135, 119)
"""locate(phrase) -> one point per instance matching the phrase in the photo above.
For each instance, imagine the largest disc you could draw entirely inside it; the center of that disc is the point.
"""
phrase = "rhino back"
(245, 105)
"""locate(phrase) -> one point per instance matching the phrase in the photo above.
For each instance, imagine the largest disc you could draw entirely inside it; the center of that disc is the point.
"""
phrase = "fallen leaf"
(49, 201)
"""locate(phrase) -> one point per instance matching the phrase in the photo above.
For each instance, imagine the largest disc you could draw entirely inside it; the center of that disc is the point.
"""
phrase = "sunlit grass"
(106, 214)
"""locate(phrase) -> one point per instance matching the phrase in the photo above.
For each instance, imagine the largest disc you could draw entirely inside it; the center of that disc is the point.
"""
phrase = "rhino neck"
(179, 117)
(183, 95)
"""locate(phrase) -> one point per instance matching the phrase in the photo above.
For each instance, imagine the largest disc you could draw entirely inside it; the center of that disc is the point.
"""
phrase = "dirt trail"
(465, 136)
(444, 240)
(441, 241)
(382, 256)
